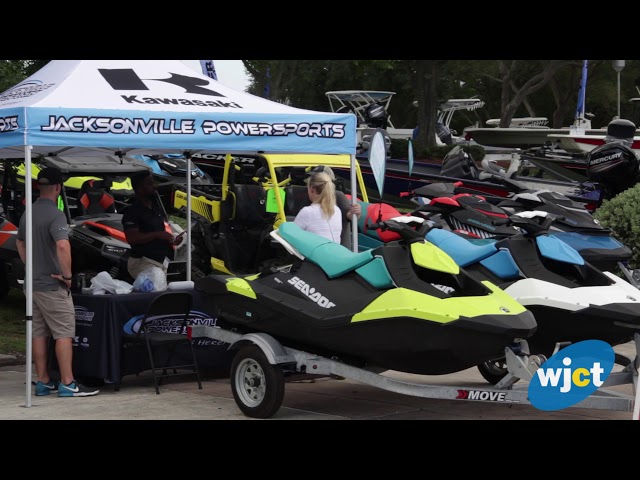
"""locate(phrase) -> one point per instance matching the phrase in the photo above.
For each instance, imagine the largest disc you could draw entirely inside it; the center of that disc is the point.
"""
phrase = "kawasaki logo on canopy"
(127, 79)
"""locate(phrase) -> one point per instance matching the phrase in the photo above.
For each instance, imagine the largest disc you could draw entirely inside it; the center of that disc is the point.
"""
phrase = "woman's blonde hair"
(324, 186)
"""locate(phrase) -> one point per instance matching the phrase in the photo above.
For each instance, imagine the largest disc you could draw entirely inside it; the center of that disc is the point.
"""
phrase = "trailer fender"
(273, 350)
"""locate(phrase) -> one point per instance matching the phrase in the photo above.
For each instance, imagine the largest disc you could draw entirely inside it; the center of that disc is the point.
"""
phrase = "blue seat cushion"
(555, 249)
(376, 273)
(460, 249)
(334, 259)
(502, 265)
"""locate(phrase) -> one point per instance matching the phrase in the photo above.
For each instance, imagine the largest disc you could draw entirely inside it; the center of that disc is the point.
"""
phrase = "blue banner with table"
(101, 351)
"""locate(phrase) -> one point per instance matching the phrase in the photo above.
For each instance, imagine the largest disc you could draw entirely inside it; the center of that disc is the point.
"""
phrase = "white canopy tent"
(98, 107)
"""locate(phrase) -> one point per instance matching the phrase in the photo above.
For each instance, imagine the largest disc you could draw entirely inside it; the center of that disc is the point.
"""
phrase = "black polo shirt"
(147, 220)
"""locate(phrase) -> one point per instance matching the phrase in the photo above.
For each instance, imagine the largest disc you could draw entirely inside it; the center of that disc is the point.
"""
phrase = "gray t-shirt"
(49, 226)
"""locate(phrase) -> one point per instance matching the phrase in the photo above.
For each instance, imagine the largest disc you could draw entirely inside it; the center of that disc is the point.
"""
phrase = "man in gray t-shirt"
(53, 310)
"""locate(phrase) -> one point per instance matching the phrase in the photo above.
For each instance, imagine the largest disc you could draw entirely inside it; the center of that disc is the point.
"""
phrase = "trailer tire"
(257, 386)
(494, 370)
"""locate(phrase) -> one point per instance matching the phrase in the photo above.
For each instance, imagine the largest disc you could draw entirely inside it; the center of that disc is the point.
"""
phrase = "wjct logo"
(571, 375)
(128, 79)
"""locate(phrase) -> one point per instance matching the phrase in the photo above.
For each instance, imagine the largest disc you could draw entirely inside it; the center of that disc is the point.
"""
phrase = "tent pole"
(354, 199)
(28, 270)
(188, 155)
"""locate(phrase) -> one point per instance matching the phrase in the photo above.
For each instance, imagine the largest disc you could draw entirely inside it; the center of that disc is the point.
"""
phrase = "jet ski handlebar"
(410, 228)
(534, 222)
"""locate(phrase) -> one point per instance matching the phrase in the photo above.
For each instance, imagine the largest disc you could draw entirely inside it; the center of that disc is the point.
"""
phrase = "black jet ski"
(571, 299)
(475, 217)
(405, 306)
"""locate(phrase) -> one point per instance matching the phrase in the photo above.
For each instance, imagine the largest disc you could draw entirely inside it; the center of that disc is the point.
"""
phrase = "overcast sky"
(231, 73)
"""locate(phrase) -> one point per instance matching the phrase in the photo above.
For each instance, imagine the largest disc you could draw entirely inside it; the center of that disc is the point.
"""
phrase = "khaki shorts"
(137, 265)
(54, 314)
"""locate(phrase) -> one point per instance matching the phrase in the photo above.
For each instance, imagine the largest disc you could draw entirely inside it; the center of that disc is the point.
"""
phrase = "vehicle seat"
(93, 198)
(296, 197)
(250, 206)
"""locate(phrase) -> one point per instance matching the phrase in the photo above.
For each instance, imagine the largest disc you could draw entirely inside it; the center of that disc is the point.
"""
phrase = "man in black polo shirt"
(144, 227)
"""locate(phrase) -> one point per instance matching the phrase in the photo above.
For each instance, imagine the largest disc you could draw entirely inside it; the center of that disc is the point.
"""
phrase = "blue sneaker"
(46, 388)
(75, 389)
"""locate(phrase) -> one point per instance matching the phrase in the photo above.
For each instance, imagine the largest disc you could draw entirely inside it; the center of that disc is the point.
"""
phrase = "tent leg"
(354, 199)
(28, 282)
(188, 157)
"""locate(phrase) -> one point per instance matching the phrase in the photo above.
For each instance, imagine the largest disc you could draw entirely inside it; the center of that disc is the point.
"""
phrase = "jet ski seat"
(460, 249)
(334, 259)
(94, 199)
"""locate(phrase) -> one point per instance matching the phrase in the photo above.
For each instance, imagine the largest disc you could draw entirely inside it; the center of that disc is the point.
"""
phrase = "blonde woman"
(322, 217)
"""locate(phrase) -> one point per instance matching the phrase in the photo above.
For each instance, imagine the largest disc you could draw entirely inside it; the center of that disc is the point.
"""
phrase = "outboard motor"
(444, 134)
(365, 144)
(459, 164)
(615, 165)
(376, 116)
(620, 130)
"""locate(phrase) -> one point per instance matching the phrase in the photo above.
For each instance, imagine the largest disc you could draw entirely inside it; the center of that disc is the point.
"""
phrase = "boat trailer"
(262, 362)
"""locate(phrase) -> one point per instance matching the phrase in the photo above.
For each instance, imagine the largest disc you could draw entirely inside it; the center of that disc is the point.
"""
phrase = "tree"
(507, 70)
(13, 72)
(426, 91)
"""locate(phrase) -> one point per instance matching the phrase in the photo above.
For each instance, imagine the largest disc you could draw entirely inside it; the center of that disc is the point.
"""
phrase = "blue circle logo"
(571, 375)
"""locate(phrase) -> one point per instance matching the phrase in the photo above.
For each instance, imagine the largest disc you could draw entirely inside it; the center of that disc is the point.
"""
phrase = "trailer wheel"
(257, 386)
(494, 370)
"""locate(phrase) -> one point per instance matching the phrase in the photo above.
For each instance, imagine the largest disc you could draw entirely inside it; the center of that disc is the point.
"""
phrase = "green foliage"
(13, 72)
(622, 215)
(400, 149)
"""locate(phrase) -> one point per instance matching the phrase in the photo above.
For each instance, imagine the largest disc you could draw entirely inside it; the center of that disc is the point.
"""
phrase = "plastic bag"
(102, 283)
(151, 279)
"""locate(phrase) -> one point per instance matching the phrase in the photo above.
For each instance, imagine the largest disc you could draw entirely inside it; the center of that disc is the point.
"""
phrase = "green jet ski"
(403, 306)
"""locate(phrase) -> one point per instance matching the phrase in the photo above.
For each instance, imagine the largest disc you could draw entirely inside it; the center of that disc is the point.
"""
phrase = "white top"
(311, 219)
